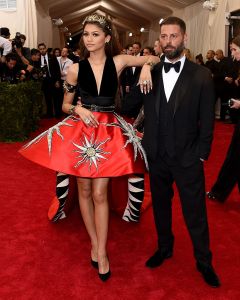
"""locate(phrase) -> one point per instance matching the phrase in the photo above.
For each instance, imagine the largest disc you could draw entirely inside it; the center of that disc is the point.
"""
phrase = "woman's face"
(235, 51)
(94, 38)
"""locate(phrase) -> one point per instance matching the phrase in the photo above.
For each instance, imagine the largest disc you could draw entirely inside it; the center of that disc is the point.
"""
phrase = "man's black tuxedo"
(51, 93)
(177, 134)
(192, 115)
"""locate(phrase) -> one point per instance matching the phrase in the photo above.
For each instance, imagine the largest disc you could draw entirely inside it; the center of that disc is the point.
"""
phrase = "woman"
(229, 174)
(94, 143)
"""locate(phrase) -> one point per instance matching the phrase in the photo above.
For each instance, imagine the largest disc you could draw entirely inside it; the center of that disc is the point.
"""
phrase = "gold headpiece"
(97, 18)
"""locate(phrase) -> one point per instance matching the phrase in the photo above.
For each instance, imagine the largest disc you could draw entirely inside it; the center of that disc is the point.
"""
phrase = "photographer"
(10, 71)
(18, 47)
(34, 67)
(5, 44)
(229, 174)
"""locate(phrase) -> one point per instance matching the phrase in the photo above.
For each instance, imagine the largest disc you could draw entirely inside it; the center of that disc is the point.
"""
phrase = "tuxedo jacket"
(54, 68)
(192, 115)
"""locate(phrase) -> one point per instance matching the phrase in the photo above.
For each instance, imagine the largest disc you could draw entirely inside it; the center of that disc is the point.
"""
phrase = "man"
(75, 54)
(51, 80)
(10, 71)
(178, 131)
(24, 53)
(64, 64)
(5, 44)
(34, 66)
(132, 73)
(224, 79)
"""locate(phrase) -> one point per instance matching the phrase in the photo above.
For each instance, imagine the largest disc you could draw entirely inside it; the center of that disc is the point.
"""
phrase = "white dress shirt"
(6, 45)
(170, 78)
(64, 65)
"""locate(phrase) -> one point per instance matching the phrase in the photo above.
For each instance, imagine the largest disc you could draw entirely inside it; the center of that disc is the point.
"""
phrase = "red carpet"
(44, 261)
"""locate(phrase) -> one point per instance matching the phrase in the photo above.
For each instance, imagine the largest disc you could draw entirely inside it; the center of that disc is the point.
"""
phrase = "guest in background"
(57, 52)
(229, 174)
(147, 51)
(10, 71)
(75, 54)
(64, 64)
(5, 44)
(187, 53)
(51, 81)
(199, 59)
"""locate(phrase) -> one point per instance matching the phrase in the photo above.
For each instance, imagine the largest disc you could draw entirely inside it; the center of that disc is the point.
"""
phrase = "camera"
(16, 42)
(230, 102)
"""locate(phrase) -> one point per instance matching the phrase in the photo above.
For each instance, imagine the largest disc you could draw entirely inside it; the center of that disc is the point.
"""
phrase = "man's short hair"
(42, 44)
(23, 36)
(4, 31)
(174, 21)
(138, 43)
(34, 51)
(11, 56)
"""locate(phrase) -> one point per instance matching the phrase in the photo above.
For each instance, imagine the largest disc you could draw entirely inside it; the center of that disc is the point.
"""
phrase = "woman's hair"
(57, 49)
(236, 40)
(112, 47)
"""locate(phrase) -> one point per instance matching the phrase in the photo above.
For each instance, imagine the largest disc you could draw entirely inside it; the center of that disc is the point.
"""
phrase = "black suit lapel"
(157, 86)
(182, 85)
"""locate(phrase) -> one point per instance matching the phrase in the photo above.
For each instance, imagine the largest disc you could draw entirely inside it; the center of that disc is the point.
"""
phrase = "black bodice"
(88, 86)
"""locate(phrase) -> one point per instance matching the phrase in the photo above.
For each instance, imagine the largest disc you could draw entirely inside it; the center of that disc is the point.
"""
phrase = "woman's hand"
(145, 79)
(86, 116)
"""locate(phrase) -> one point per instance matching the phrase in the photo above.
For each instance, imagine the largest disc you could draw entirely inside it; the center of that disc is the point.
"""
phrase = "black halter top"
(88, 86)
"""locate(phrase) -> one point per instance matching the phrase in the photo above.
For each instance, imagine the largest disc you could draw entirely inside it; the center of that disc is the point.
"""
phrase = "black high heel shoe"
(105, 276)
(94, 264)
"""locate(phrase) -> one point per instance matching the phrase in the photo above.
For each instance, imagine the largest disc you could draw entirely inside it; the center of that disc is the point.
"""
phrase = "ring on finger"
(87, 121)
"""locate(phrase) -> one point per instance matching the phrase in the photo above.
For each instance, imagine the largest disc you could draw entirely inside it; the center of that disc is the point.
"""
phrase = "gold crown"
(97, 18)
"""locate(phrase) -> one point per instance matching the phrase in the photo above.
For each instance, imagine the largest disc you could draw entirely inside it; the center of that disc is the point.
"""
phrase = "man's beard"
(175, 52)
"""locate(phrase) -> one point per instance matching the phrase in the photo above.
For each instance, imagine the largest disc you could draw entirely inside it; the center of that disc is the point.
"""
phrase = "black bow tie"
(168, 66)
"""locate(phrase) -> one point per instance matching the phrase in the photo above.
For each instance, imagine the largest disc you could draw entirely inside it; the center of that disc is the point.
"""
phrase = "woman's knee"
(99, 197)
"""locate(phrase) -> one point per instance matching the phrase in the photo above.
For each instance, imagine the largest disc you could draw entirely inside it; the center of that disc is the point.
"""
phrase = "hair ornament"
(98, 19)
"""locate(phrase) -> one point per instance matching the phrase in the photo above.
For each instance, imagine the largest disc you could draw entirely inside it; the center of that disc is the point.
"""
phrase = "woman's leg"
(99, 193)
(87, 211)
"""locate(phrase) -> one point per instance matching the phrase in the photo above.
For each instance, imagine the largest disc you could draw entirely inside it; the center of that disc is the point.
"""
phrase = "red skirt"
(110, 150)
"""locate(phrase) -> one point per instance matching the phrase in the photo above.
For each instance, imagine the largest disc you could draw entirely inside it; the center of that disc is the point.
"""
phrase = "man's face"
(172, 41)
(36, 57)
(22, 41)
(136, 49)
(11, 64)
(209, 55)
(219, 55)
(42, 49)
(64, 52)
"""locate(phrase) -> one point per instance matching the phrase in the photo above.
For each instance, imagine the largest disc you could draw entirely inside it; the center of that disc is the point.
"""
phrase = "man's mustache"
(169, 47)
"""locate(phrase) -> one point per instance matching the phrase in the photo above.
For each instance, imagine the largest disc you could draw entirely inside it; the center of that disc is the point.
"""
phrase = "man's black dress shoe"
(208, 274)
(157, 259)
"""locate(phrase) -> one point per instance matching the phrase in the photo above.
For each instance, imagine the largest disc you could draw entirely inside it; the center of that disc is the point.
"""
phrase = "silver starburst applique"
(49, 133)
(130, 132)
(90, 151)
